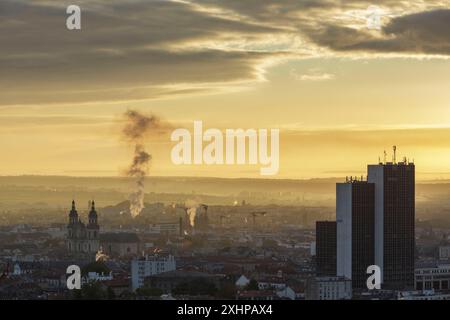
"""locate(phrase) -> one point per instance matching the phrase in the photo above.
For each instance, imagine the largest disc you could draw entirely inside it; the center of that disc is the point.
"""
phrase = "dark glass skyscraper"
(326, 248)
(394, 222)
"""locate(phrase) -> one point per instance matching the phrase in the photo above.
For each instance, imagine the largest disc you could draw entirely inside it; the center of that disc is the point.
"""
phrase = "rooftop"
(119, 237)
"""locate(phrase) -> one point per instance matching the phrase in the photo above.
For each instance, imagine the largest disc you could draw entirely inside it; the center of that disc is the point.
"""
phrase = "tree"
(252, 285)
(195, 288)
(90, 291)
(110, 294)
(149, 292)
(228, 291)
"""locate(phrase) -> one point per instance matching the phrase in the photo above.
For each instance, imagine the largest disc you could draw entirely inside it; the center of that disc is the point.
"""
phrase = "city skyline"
(374, 227)
(224, 157)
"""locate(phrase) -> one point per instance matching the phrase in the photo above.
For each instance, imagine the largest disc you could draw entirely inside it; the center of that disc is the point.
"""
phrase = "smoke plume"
(137, 126)
(191, 210)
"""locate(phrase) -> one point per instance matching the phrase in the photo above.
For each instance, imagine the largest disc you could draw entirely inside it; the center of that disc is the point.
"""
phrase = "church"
(82, 239)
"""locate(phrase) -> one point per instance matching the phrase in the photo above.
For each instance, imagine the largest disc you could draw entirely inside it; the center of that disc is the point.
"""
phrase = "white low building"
(242, 282)
(434, 276)
(423, 295)
(149, 266)
(164, 228)
(287, 292)
(329, 288)
(94, 276)
(444, 252)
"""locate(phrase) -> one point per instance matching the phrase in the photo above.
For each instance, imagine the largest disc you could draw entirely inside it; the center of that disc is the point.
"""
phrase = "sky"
(340, 90)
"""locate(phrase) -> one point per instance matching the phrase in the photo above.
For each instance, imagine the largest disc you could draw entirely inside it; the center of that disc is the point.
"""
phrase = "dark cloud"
(141, 49)
(298, 13)
(141, 74)
(424, 32)
(419, 33)
(125, 50)
(271, 10)
(113, 25)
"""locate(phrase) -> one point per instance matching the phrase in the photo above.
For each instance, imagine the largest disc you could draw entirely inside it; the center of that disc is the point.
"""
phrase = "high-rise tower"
(354, 230)
(326, 248)
(394, 222)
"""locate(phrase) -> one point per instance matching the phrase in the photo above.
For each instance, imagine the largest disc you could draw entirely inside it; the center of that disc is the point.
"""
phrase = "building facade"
(168, 228)
(394, 222)
(432, 277)
(444, 252)
(329, 288)
(326, 248)
(149, 266)
(120, 244)
(83, 239)
(355, 230)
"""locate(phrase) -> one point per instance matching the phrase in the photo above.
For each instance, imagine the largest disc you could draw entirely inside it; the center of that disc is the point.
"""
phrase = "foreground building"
(149, 266)
(375, 221)
(394, 222)
(329, 288)
(326, 248)
(355, 230)
(432, 276)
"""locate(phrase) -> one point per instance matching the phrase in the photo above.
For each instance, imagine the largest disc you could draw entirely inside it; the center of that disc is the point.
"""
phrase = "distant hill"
(42, 191)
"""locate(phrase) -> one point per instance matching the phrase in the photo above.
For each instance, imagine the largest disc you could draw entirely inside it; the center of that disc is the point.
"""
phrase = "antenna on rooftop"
(385, 155)
(395, 151)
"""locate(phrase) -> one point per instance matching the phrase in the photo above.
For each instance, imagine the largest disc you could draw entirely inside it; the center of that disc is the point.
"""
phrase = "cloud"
(418, 33)
(312, 75)
(125, 50)
(139, 74)
(136, 49)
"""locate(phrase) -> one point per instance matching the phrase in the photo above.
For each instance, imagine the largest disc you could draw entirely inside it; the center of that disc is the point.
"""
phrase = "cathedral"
(82, 239)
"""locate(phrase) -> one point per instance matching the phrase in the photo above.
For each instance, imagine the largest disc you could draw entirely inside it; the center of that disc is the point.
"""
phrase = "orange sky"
(339, 92)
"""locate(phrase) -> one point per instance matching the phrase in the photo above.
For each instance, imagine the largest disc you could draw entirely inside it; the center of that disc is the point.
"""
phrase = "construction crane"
(255, 214)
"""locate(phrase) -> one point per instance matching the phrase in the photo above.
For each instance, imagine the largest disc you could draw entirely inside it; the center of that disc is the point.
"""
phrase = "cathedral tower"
(83, 240)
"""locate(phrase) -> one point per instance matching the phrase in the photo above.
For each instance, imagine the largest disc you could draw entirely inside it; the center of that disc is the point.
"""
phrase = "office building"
(326, 248)
(394, 222)
(355, 230)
